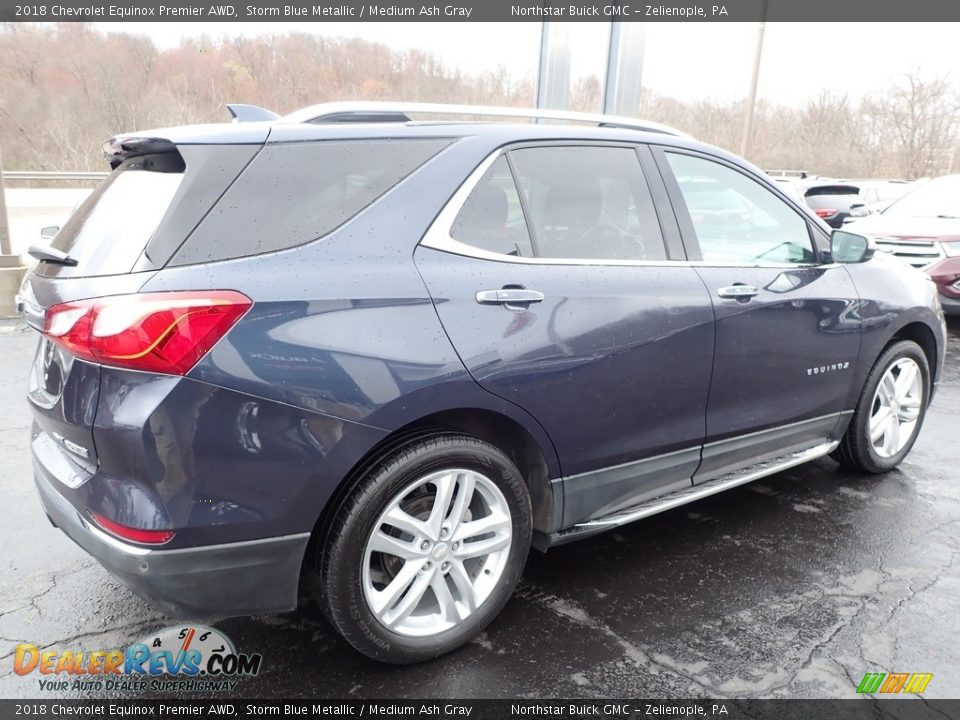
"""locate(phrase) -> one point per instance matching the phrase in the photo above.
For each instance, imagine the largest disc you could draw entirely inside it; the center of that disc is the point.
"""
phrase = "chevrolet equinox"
(348, 355)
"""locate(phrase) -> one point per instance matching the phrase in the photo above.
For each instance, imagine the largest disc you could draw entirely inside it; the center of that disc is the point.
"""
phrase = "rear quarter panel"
(343, 336)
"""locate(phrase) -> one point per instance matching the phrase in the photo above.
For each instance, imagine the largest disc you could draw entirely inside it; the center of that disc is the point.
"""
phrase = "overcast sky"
(684, 60)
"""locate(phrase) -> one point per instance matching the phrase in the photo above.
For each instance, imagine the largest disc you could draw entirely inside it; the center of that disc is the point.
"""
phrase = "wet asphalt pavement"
(793, 586)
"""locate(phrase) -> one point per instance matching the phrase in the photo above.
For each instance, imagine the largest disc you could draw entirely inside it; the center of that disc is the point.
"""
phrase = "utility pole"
(752, 99)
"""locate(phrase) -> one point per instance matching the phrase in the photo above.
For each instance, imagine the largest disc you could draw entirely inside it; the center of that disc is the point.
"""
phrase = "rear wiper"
(44, 253)
(949, 217)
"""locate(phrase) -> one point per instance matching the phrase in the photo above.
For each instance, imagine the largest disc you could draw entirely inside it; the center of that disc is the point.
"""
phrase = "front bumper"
(243, 578)
(951, 306)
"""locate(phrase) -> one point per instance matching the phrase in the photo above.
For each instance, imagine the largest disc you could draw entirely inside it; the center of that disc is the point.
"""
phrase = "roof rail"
(400, 112)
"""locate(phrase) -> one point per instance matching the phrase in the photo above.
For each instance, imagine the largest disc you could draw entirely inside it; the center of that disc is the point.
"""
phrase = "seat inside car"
(571, 212)
(483, 219)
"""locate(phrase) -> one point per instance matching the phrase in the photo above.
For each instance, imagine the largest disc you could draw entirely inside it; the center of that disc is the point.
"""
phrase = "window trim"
(438, 235)
(687, 231)
(524, 208)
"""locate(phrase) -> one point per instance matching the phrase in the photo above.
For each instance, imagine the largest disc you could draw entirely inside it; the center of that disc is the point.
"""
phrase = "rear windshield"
(833, 201)
(832, 190)
(937, 198)
(109, 230)
(296, 192)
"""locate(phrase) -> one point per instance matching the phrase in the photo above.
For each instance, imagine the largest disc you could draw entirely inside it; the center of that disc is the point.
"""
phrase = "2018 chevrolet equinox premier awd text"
(376, 359)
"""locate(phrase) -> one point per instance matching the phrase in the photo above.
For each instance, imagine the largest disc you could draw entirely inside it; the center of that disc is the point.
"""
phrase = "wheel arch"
(537, 464)
(920, 333)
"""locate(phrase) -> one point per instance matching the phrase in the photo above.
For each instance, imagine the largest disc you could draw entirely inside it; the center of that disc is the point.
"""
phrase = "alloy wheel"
(436, 552)
(896, 407)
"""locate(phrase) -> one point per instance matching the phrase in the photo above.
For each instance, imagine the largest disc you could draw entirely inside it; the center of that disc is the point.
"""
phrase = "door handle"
(738, 292)
(509, 296)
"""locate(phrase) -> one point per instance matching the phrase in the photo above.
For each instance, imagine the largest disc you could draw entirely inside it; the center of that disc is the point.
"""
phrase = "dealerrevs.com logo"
(190, 657)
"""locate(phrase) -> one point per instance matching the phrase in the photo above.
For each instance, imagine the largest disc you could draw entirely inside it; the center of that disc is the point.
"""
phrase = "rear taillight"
(826, 213)
(165, 332)
(144, 537)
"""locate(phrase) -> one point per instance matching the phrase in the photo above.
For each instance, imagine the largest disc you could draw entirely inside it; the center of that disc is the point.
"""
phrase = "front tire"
(890, 411)
(427, 550)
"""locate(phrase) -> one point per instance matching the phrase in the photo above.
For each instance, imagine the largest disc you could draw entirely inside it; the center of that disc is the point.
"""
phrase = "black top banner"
(548, 709)
(479, 10)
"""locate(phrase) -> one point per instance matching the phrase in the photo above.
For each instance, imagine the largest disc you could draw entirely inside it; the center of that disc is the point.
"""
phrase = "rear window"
(937, 198)
(832, 190)
(109, 230)
(296, 192)
(833, 201)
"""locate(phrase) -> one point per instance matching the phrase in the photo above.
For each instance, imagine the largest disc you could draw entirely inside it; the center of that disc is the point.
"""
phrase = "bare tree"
(922, 118)
(65, 88)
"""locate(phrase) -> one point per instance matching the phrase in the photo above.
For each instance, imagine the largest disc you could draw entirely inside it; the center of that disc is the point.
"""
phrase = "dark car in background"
(372, 361)
(832, 201)
(923, 228)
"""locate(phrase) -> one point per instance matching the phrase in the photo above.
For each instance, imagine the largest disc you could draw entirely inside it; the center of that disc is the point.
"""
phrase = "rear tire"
(890, 411)
(427, 549)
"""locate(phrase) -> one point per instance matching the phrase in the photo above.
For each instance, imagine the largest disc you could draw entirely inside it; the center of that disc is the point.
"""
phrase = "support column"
(11, 269)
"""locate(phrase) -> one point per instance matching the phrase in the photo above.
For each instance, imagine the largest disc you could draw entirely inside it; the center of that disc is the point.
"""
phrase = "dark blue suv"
(349, 355)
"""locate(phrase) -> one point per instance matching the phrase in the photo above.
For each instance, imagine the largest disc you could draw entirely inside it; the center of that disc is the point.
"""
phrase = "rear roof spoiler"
(250, 113)
(118, 149)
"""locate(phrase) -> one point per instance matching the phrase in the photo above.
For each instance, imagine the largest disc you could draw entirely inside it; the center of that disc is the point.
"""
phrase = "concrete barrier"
(31, 209)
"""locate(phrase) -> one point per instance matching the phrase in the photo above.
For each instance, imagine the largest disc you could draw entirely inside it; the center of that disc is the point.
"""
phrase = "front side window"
(736, 219)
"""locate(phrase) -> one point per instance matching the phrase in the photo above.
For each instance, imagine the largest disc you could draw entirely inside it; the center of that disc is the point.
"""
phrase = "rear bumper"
(243, 578)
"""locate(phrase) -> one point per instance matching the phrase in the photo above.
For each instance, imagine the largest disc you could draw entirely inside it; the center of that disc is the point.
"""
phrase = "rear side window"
(297, 192)
(578, 203)
(109, 230)
(491, 219)
(588, 203)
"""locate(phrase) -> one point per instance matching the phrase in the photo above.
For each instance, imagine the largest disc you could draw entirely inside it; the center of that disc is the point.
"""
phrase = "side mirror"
(49, 232)
(848, 247)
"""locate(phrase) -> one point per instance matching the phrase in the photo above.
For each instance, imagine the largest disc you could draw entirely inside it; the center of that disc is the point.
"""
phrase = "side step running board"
(693, 493)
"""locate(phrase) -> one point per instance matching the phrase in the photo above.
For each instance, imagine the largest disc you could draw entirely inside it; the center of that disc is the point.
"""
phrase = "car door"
(787, 330)
(558, 284)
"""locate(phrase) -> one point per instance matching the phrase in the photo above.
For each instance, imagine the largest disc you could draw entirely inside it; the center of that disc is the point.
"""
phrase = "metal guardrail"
(25, 175)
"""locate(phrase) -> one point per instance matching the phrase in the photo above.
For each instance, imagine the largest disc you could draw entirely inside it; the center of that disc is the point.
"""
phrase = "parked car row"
(840, 200)
(923, 228)
(918, 221)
